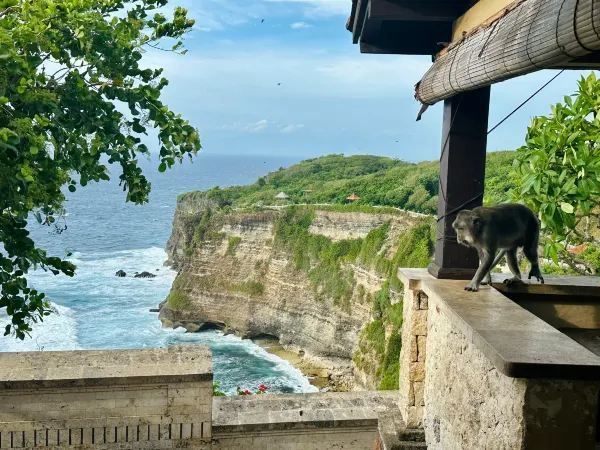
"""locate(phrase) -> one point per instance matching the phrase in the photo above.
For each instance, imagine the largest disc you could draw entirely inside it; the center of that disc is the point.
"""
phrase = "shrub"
(251, 288)
(232, 244)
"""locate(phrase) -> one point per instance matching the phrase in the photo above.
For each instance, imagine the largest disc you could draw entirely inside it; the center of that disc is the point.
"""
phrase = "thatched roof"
(282, 196)
(353, 197)
(532, 35)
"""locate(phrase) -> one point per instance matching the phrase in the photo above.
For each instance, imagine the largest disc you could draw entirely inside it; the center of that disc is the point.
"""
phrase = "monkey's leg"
(484, 268)
(513, 265)
(487, 279)
(531, 253)
(488, 276)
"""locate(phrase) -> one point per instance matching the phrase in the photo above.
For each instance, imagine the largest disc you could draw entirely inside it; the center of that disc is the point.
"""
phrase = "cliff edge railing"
(163, 398)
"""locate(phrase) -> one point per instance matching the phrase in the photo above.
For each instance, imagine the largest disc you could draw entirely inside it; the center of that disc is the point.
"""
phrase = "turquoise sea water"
(97, 310)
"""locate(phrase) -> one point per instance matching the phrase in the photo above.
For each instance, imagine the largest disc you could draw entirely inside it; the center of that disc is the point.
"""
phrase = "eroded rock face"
(120, 273)
(253, 288)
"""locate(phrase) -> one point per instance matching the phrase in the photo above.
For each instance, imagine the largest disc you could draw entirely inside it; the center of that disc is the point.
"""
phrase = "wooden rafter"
(481, 13)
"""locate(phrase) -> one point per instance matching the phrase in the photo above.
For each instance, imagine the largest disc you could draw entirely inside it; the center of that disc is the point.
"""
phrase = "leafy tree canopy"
(74, 99)
(558, 170)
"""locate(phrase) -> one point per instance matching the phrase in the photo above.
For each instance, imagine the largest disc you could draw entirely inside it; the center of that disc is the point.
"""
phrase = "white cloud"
(253, 127)
(291, 128)
(217, 15)
(258, 126)
(302, 74)
(300, 25)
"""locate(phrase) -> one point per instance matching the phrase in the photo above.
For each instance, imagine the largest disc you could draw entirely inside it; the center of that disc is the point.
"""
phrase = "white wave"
(57, 332)
(282, 369)
(100, 310)
(95, 273)
(283, 366)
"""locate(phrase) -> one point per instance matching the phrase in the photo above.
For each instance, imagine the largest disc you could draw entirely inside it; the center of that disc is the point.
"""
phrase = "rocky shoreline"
(327, 374)
(318, 376)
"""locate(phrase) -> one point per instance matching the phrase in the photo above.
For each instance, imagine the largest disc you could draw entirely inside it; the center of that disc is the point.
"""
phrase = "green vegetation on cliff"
(378, 181)
(412, 249)
(328, 265)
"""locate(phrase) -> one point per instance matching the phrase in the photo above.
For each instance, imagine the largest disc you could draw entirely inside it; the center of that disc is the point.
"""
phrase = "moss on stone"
(389, 370)
(178, 300)
(251, 288)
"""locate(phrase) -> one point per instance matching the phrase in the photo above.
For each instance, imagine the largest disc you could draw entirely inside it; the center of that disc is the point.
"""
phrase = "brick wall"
(412, 357)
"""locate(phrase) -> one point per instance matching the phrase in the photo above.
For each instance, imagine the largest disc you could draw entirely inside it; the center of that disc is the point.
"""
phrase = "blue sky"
(294, 84)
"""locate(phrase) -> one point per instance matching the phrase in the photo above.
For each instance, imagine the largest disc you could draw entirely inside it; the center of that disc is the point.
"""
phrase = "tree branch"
(8, 10)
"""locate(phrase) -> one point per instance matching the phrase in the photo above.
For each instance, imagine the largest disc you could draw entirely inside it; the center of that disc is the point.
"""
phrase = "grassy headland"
(378, 181)
(383, 185)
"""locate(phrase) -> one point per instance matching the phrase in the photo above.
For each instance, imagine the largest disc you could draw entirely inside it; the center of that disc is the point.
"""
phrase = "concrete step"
(393, 434)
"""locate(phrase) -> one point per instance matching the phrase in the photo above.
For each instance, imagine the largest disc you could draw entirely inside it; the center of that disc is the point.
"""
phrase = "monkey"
(504, 227)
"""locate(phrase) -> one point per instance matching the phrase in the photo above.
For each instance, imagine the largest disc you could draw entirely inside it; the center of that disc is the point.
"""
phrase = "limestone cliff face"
(232, 275)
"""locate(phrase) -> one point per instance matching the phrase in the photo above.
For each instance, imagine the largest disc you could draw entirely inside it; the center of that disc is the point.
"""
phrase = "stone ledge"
(342, 412)
(293, 410)
(88, 368)
(299, 411)
(518, 343)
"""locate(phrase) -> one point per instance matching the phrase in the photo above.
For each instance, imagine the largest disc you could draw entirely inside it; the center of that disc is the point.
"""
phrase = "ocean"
(97, 310)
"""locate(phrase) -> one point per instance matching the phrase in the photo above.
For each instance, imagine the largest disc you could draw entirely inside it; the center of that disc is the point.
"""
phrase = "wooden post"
(462, 174)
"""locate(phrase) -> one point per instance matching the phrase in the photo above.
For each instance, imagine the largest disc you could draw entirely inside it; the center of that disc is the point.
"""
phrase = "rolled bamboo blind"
(532, 35)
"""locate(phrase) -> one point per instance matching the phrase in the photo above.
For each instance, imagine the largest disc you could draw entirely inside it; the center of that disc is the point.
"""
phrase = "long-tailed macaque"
(505, 228)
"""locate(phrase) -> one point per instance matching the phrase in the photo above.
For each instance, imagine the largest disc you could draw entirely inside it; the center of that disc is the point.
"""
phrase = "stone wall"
(412, 357)
(162, 398)
(323, 421)
(106, 399)
(461, 394)
(470, 404)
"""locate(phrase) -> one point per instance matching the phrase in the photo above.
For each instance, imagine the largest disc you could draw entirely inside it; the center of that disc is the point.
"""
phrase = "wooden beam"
(410, 10)
(482, 12)
(359, 20)
(400, 38)
(591, 61)
(462, 175)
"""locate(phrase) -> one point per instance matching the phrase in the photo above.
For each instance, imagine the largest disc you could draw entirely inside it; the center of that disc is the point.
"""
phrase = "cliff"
(313, 278)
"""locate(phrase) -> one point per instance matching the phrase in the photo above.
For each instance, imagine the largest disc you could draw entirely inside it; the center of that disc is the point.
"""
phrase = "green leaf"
(73, 112)
(162, 167)
(567, 207)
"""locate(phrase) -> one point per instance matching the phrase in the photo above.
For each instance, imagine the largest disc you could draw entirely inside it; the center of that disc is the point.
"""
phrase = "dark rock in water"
(120, 273)
(144, 274)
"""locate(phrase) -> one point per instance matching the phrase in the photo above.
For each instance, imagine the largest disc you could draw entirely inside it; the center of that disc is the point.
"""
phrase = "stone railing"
(159, 398)
(162, 398)
(495, 375)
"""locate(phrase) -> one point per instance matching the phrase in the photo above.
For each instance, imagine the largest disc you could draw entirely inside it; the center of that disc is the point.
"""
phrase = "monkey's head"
(467, 226)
